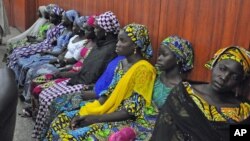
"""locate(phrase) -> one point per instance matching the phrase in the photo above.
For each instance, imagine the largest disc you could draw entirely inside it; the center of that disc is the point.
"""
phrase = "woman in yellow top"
(123, 104)
(203, 112)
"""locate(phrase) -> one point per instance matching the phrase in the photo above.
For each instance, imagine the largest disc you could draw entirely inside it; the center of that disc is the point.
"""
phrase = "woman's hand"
(73, 81)
(57, 75)
(87, 87)
(31, 38)
(54, 43)
(82, 121)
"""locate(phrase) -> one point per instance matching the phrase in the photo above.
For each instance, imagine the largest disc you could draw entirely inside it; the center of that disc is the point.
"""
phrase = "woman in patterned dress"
(122, 104)
(204, 111)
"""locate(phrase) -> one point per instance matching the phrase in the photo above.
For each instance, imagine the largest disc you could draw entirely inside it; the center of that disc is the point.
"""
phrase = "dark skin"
(68, 24)
(100, 35)
(77, 31)
(125, 47)
(33, 38)
(226, 76)
(167, 63)
(54, 19)
(90, 35)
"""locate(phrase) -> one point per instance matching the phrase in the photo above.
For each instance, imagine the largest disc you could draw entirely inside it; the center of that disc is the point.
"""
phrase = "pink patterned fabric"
(125, 134)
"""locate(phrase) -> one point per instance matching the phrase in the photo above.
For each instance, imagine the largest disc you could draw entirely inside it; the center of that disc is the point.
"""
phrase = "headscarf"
(50, 7)
(81, 20)
(235, 53)
(57, 10)
(71, 15)
(140, 36)
(42, 10)
(108, 22)
(182, 50)
(91, 20)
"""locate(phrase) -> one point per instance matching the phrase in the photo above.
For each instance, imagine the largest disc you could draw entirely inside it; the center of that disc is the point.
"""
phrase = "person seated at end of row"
(205, 111)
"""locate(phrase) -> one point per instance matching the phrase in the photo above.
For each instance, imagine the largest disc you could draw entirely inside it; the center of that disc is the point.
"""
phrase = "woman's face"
(89, 31)
(166, 59)
(124, 46)
(226, 75)
(53, 18)
(46, 14)
(99, 32)
(77, 30)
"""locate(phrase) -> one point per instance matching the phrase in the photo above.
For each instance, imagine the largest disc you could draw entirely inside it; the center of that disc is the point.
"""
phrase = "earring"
(135, 50)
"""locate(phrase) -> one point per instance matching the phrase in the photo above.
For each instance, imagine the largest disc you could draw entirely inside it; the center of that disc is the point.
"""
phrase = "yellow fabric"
(211, 112)
(235, 53)
(139, 78)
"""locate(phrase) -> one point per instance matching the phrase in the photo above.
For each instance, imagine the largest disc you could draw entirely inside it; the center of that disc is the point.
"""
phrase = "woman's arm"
(82, 121)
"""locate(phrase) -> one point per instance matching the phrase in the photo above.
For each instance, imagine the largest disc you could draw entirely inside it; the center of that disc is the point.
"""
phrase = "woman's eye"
(222, 68)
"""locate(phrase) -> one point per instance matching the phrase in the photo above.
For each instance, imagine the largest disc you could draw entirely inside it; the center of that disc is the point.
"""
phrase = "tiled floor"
(24, 126)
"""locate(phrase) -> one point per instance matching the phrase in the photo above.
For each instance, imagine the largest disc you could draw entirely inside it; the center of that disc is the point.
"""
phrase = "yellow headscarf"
(235, 53)
(139, 78)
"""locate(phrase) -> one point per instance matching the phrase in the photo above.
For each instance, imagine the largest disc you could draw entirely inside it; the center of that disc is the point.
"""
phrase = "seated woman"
(32, 65)
(105, 50)
(123, 104)
(74, 47)
(46, 80)
(44, 57)
(175, 60)
(76, 100)
(203, 112)
(36, 31)
(52, 35)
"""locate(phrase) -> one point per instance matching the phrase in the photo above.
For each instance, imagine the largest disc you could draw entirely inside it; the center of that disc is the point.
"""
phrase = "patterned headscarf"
(42, 10)
(140, 36)
(71, 15)
(57, 10)
(50, 7)
(108, 22)
(235, 53)
(182, 50)
(81, 20)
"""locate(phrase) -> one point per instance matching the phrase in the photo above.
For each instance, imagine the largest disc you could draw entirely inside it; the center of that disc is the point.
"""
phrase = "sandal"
(26, 113)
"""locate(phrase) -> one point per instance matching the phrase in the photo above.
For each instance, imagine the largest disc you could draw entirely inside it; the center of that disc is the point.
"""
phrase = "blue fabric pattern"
(104, 81)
